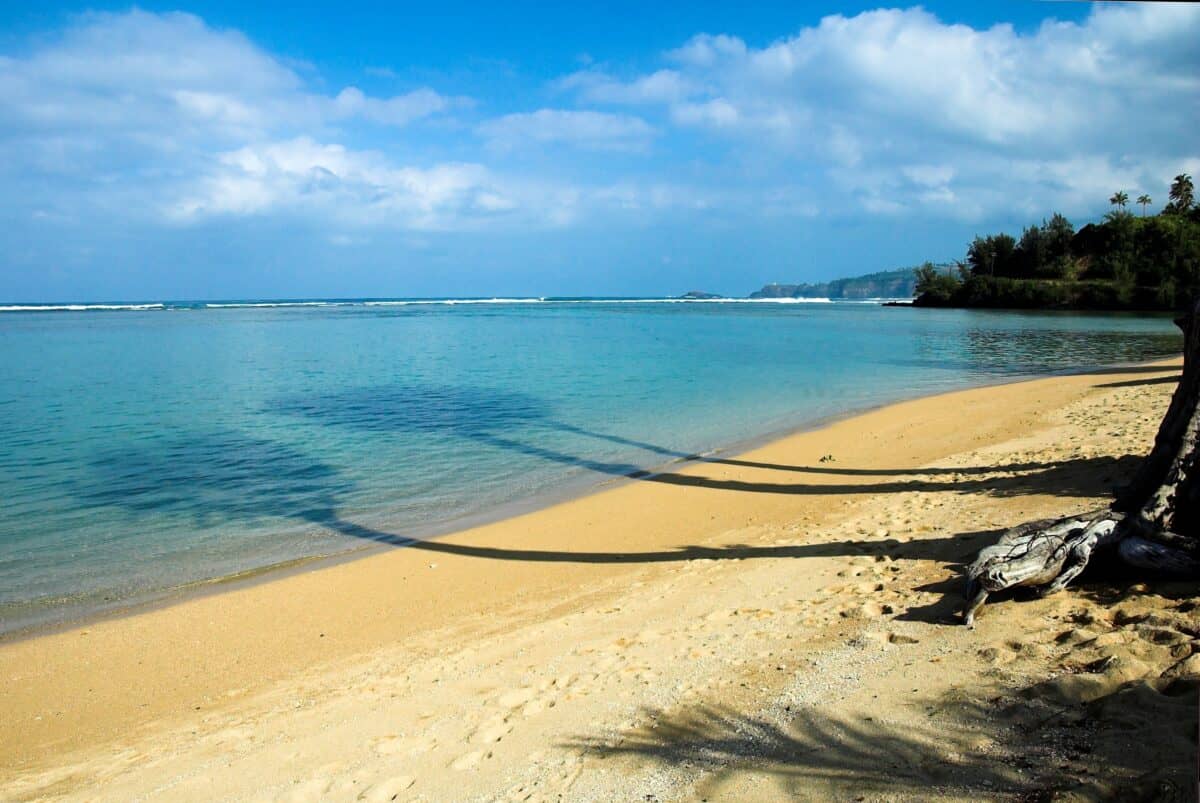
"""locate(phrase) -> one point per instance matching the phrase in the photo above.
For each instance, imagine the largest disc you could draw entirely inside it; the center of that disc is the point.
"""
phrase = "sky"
(243, 150)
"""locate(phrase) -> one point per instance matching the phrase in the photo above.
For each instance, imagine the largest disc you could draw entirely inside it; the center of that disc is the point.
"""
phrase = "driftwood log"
(1153, 524)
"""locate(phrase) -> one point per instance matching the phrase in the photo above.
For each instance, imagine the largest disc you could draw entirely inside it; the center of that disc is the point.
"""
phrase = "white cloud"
(873, 100)
(704, 50)
(927, 175)
(585, 129)
(891, 66)
(398, 110)
(132, 110)
(162, 118)
(718, 113)
(353, 190)
(663, 86)
(166, 72)
(353, 187)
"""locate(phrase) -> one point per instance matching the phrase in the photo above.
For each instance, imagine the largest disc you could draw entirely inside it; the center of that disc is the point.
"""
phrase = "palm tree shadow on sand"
(802, 752)
(972, 746)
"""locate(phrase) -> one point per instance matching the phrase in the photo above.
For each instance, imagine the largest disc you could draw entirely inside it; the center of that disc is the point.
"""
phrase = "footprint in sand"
(516, 698)
(470, 760)
(404, 745)
(386, 791)
(535, 707)
(235, 737)
(756, 613)
(997, 654)
(1076, 635)
(492, 730)
(315, 789)
(647, 636)
(868, 610)
(868, 588)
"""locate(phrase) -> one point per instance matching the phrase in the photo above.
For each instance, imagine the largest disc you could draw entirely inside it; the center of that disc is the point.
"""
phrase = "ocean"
(147, 448)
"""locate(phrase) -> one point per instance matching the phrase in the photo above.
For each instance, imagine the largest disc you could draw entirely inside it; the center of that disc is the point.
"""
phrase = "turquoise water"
(142, 449)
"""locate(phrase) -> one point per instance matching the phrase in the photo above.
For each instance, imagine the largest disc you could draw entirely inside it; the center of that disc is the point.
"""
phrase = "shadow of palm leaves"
(1131, 744)
(812, 750)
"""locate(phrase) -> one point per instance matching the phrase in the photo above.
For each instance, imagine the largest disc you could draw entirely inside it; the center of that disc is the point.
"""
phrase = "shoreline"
(448, 616)
(579, 488)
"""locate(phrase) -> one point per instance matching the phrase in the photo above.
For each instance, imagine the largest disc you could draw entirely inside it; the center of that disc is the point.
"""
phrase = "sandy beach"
(776, 625)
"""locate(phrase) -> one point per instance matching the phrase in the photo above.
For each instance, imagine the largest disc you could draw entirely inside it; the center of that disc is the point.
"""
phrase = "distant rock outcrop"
(699, 295)
(887, 284)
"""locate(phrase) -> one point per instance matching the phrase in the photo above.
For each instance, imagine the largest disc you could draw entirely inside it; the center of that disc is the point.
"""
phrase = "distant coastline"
(243, 304)
(890, 284)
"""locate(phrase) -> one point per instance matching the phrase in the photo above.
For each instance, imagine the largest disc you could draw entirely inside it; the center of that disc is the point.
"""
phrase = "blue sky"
(236, 150)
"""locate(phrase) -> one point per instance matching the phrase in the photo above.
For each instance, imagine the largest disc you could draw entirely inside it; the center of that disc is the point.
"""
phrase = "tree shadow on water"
(213, 476)
(516, 422)
(411, 408)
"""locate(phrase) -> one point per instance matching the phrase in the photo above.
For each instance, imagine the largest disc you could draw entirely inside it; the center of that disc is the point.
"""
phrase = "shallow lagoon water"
(147, 447)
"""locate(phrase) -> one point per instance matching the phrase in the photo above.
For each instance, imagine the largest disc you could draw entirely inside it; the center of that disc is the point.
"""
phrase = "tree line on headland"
(1127, 261)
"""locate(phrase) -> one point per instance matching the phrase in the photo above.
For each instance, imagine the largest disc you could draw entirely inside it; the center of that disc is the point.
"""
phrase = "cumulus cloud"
(398, 110)
(353, 187)
(994, 86)
(662, 86)
(895, 98)
(139, 109)
(171, 71)
(585, 129)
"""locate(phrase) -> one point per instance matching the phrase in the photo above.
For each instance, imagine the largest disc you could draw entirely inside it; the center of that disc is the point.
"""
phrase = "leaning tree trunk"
(1154, 523)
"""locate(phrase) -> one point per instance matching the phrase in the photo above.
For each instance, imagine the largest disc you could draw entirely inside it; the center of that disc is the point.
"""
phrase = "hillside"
(898, 283)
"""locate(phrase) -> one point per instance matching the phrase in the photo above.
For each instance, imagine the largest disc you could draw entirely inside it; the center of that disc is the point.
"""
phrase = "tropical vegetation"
(1122, 262)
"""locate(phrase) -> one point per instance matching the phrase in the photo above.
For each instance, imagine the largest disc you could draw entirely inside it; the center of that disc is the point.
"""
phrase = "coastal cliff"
(898, 283)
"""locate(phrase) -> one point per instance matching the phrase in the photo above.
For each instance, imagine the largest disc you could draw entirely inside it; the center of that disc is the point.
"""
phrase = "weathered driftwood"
(1154, 523)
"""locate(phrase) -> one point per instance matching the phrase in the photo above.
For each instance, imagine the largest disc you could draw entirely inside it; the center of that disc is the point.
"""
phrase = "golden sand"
(757, 627)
